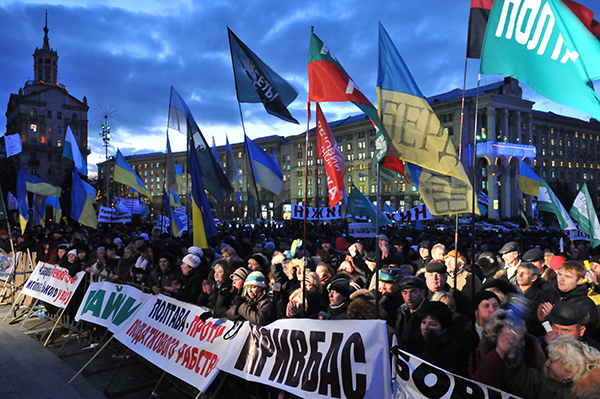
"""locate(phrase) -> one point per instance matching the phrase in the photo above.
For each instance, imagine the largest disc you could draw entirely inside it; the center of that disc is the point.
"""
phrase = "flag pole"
(304, 257)
(377, 250)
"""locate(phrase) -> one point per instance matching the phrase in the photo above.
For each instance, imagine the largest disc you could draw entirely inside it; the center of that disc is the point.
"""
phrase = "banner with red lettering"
(52, 284)
(415, 378)
(171, 335)
(328, 151)
(315, 358)
(412, 215)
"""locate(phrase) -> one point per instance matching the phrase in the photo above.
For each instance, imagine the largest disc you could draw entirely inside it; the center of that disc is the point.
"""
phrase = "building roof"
(457, 94)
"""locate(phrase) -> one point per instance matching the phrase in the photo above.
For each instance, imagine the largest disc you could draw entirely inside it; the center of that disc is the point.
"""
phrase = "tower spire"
(46, 45)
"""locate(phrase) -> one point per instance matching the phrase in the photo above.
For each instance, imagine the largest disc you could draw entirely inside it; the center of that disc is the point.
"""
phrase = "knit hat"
(342, 286)
(196, 251)
(391, 274)
(341, 244)
(240, 272)
(191, 260)
(256, 279)
(72, 252)
(260, 259)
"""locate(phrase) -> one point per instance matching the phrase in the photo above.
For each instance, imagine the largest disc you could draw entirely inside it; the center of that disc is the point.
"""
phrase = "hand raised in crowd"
(507, 343)
(292, 309)
(353, 250)
(207, 287)
(544, 310)
(278, 258)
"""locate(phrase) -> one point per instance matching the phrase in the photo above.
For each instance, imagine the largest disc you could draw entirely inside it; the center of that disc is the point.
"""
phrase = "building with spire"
(40, 113)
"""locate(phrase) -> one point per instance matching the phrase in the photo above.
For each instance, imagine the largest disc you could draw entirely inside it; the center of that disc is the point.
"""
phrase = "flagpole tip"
(312, 29)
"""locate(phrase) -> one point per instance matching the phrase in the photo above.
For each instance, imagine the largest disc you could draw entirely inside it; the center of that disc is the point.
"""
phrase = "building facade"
(40, 113)
(563, 151)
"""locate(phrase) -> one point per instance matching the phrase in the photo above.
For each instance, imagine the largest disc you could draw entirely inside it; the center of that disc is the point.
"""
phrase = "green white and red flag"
(329, 82)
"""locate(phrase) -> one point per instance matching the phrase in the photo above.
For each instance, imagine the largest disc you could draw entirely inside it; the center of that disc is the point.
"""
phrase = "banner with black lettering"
(315, 358)
(109, 305)
(415, 378)
(412, 215)
(326, 213)
(52, 284)
(171, 335)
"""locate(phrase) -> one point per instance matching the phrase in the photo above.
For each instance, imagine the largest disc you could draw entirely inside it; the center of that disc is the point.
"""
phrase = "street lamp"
(106, 138)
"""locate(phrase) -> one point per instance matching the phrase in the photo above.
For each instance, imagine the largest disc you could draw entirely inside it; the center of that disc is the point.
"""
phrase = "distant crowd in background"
(517, 312)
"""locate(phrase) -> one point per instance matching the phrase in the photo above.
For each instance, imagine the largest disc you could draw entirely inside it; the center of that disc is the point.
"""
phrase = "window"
(58, 115)
(350, 157)
(361, 135)
(33, 115)
(299, 146)
(286, 158)
(299, 155)
(59, 143)
(373, 188)
(449, 131)
(309, 182)
(362, 145)
(361, 177)
(300, 164)
(349, 137)
(349, 146)
(299, 183)
(362, 189)
(300, 192)
(49, 115)
(49, 159)
(310, 191)
(361, 166)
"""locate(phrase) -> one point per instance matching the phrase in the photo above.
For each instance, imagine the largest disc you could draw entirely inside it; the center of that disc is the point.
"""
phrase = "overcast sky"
(124, 56)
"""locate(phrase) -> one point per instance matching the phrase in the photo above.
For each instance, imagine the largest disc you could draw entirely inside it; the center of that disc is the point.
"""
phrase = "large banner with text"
(326, 213)
(109, 305)
(417, 379)
(315, 358)
(172, 336)
(52, 284)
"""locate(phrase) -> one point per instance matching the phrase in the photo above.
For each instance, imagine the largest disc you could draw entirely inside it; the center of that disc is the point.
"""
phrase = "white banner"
(129, 206)
(578, 235)
(111, 215)
(171, 335)
(412, 215)
(326, 213)
(109, 305)
(52, 284)
(417, 379)
(13, 144)
(165, 222)
(361, 230)
(315, 358)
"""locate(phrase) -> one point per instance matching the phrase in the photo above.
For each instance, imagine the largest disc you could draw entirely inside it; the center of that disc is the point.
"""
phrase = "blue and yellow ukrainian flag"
(22, 198)
(416, 136)
(83, 197)
(529, 182)
(202, 218)
(125, 174)
(176, 223)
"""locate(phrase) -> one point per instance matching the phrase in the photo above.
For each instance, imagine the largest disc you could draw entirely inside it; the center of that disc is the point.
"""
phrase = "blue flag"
(256, 82)
(213, 177)
(202, 218)
(71, 151)
(22, 198)
(83, 197)
(264, 168)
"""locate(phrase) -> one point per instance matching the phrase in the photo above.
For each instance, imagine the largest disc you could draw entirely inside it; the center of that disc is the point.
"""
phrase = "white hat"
(117, 241)
(72, 252)
(191, 260)
(196, 251)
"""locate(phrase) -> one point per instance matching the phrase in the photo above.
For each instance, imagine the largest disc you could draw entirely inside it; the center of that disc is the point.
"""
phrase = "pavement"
(28, 370)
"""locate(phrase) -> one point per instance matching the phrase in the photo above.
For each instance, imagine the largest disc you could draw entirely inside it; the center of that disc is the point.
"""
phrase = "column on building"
(505, 125)
(519, 132)
(529, 128)
(492, 187)
(505, 188)
(491, 123)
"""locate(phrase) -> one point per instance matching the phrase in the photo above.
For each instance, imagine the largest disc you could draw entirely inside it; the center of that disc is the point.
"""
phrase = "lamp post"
(106, 138)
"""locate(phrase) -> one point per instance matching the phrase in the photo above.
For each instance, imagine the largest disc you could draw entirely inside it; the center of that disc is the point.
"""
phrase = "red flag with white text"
(328, 151)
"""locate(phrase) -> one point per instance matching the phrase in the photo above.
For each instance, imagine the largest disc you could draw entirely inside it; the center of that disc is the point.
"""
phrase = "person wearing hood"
(72, 263)
(424, 252)
(165, 275)
(254, 305)
(570, 287)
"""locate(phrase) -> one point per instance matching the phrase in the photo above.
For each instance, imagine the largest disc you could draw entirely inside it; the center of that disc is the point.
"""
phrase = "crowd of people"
(519, 313)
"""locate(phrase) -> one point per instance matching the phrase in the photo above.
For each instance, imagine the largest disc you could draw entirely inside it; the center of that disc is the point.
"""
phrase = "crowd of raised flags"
(534, 43)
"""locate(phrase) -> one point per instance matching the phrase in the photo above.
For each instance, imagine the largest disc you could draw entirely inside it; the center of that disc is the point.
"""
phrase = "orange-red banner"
(328, 151)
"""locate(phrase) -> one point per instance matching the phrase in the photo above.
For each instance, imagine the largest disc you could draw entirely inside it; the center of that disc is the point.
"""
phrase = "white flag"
(583, 211)
(13, 144)
(548, 202)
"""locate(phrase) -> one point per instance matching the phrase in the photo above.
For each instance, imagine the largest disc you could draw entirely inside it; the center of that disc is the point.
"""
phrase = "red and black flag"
(480, 12)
